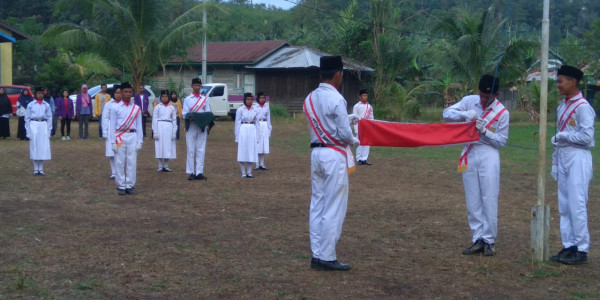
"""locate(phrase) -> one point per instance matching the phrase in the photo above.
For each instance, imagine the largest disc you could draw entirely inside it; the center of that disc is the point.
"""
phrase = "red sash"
(463, 163)
(197, 107)
(324, 137)
(562, 122)
(127, 124)
(368, 111)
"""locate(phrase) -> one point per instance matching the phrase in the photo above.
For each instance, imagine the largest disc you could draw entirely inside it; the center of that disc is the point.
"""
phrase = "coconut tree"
(472, 46)
(134, 34)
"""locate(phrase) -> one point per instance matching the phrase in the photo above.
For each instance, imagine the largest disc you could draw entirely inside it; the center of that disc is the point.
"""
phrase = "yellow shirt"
(179, 107)
(98, 105)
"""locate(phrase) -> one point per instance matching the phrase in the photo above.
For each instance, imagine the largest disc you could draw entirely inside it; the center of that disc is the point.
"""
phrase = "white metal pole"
(204, 44)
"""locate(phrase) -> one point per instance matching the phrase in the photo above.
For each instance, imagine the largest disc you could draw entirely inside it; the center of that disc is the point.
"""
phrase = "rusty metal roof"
(301, 57)
(248, 52)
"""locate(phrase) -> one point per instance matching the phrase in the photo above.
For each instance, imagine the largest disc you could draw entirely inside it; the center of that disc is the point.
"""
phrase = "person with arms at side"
(245, 136)
(362, 110)
(106, 113)
(480, 161)
(142, 100)
(164, 127)
(65, 112)
(572, 166)
(198, 120)
(38, 124)
(330, 137)
(83, 106)
(5, 113)
(126, 140)
(264, 129)
(22, 103)
(99, 101)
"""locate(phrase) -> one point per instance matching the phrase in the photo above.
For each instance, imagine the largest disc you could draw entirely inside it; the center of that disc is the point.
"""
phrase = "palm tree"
(134, 34)
(472, 46)
(90, 66)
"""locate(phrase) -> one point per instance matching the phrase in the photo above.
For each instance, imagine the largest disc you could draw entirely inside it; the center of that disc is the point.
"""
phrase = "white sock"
(261, 159)
(35, 165)
(40, 165)
(166, 162)
(112, 166)
(249, 168)
(160, 163)
(243, 168)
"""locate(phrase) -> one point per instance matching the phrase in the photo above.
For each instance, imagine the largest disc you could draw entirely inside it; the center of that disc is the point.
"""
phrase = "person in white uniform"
(106, 110)
(572, 166)
(38, 125)
(195, 137)
(480, 161)
(264, 129)
(330, 134)
(246, 129)
(362, 110)
(126, 139)
(164, 126)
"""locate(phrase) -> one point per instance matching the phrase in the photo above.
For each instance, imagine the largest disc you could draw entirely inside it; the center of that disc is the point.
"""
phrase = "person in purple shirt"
(65, 112)
(141, 99)
(84, 111)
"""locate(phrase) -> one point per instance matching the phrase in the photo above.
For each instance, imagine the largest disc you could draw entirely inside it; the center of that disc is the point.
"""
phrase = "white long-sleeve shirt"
(188, 104)
(245, 115)
(360, 109)
(38, 111)
(330, 107)
(106, 116)
(164, 113)
(119, 115)
(264, 114)
(496, 135)
(580, 127)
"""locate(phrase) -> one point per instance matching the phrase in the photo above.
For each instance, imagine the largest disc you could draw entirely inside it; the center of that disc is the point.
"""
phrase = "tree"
(59, 75)
(134, 34)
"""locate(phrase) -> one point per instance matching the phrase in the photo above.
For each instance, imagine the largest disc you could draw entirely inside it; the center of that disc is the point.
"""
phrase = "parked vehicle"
(110, 89)
(221, 103)
(13, 92)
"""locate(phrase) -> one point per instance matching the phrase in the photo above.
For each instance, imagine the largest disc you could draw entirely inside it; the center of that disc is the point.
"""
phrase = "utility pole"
(540, 213)
(204, 43)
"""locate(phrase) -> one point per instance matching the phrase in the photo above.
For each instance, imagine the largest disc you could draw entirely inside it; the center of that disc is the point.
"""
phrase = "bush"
(278, 112)
(596, 104)
(412, 109)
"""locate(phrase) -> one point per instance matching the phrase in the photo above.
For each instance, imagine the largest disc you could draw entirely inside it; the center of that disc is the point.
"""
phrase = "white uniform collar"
(327, 86)
(575, 98)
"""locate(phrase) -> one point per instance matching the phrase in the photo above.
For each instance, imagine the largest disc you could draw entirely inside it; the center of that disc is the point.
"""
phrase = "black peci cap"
(331, 63)
(196, 81)
(126, 85)
(489, 84)
(570, 71)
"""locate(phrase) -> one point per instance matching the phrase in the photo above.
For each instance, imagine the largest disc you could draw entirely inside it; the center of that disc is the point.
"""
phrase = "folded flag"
(395, 134)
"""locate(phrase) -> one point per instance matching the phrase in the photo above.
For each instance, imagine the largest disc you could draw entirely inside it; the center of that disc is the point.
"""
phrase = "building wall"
(6, 62)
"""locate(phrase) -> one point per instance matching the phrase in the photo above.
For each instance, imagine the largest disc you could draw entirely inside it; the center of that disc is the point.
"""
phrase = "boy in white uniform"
(164, 126)
(245, 136)
(362, 110)
(126, 139)
(38, 125)
(110, 105)
(263, 116)
(195, 137)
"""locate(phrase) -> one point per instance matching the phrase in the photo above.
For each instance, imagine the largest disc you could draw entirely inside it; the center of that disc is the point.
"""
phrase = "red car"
(13, 92)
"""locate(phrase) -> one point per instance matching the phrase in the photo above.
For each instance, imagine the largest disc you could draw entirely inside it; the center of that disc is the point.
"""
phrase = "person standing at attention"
(141, 100)
(65, 112)
(195, 107)
(164, 127)
(263, 115)
(363, 110)
(245, 136)
(99, 101)
(84, 111)
(38, 123)
(22, 104)
(106, 113)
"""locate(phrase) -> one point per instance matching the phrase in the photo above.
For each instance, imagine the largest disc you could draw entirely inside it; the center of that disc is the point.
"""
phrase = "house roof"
(301, 57)
(247, 52)
(13, 35)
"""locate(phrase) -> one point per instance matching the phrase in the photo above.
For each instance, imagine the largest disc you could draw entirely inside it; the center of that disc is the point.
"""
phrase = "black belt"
(263, 120)
(164, 120)
(316, 145)
(130, 130)
(247, 122)
(39, 120)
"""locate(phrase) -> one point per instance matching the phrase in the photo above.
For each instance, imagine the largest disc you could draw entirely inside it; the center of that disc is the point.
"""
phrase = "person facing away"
(330, 136)
(572, 166)
(480, 161)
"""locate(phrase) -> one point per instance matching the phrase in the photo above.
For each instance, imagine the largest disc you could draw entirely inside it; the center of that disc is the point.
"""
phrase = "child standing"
(38, 124)
(65, 112)
(263, 114)
(245, 136)
(164, 127)
(106, 110)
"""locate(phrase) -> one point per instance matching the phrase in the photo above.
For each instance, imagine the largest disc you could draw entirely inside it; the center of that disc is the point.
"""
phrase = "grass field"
(68, 235)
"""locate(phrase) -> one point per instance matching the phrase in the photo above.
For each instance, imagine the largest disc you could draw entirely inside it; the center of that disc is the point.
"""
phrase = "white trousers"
(195, 141)
(574, 176)
(362, 152)
(126, 162)
(482, 186)
(328, 203)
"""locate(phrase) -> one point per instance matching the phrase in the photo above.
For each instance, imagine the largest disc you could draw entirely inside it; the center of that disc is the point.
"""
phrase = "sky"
(279, 3)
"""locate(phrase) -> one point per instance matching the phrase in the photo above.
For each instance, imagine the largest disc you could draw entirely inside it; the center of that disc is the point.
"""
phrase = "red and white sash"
(198, 105)
(324, 137)
(569, 111)
(491, 115)
(368, 111)
(135, 110)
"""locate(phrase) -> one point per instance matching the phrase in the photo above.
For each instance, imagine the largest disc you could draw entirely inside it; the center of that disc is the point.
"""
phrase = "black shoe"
(41, 173)
(360, 162)
(130, 192)
(477, 247)
(489, 250)
(121, 192)
(576, 258)
(191, 177)
(249, 176)
(564, 253)
(167, 170)
(323, 265)
(366, 162)
(200, 177)
(263, 168)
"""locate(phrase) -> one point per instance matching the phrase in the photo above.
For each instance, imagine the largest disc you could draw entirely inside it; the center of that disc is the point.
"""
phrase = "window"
(217, 91)
(12, 90)
(238, 82)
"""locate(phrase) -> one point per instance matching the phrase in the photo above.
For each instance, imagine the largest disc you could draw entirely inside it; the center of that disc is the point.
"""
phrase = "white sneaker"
(243, 175)
(64, 138)
(68, 138)
(159, 170)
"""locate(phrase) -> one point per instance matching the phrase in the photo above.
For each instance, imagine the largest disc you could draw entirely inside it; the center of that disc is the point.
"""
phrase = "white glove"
(469, 115)
(480, 125)
(138, 147)
(156, 136)
(554, 172)
(554, 141)
(49, 134)
(28, 135)
(355, 141)
(114, 148)
(173, 136)
(561, 137)
(353, 119)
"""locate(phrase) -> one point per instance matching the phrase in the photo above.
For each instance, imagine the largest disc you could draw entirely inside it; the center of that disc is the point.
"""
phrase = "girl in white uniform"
(164, 126)
(245, 136)
(38, 125)
(264, 129)
(112, 104)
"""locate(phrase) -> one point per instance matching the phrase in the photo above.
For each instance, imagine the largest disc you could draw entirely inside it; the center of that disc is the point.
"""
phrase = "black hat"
(489, 84)
(570, 71)
(164, 92)
(363, 91)
(259, 94)
(126, 85)
(246, 95)
(331, 63)
(196, 81)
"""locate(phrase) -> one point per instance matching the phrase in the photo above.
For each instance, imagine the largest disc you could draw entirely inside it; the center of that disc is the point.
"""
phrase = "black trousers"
(177, 135)
(21, 133)
(144, 118)
(63, 122)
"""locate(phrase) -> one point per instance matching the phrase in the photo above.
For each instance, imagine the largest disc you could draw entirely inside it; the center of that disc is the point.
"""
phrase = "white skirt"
(263, 137)
(247, 150)
(39, 142)
(165, 147)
